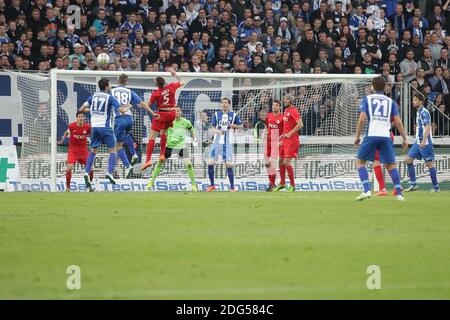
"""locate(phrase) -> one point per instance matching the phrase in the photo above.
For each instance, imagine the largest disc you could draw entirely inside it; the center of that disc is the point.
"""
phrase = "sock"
(162, 144)
(89, 162)
(156, 171)
(364, 176)
(191, 173)
(211, 174)
(68, 178)
(111, 162)
(412, 174)
(272, 178)
(231, 177)
(290, 171)
(91, 175)
(130, 144)
(282, 175)
(379, 175)
(433, 176)
(150, 147)
(123, 156)
(396, 180)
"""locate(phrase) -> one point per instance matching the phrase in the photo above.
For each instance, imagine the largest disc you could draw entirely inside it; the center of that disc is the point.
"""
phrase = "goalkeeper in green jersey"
(176, 143)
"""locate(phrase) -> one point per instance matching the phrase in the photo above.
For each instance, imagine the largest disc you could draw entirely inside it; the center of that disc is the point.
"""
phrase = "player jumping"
(78, 132)
(123, 123)
(222, 123)
(378, 109)
(176, 143)
(274, 125)
(101, 106)
(292, 123)
(164, 97)
(423, 146)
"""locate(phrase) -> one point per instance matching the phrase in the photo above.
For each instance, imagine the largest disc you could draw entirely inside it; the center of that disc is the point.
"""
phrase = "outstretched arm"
(175, 75)
(66, 133)
(145, 106)
(84, 108)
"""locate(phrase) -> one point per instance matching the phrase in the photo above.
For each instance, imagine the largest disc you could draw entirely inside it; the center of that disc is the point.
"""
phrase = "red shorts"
(272, 150)
(75, 156)
(289, 148)
(164, 121)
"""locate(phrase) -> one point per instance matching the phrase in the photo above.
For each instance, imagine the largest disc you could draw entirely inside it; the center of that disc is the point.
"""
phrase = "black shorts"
(182, 153)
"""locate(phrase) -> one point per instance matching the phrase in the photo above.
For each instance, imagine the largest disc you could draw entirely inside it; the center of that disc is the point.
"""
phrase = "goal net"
(328, 104)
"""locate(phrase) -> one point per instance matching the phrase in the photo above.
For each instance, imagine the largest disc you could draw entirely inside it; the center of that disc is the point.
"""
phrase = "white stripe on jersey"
(123, 95)
(100, 110)
(380, 109)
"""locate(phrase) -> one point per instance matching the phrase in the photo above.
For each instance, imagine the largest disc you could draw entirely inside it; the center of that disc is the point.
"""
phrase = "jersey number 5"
(166, 99)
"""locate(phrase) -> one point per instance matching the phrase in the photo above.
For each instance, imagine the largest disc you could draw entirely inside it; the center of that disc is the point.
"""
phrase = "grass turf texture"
(223, 245)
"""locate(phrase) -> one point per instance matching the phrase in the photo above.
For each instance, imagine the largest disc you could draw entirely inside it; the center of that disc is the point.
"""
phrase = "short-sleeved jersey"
(78, 135)
(422, 120)
(176, 135)
(379, 110)
(290, 119)
(126, 96)
(222, 121)
(165, 97)
(274, 125)
(102, 107)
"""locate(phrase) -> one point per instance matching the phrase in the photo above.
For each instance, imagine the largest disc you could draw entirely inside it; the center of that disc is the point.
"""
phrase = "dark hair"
(160, 82)
(123, 78)
(80, 112)
(229, 101)
(419, 97)
(378, 84)
(277, 101)
(103, 83)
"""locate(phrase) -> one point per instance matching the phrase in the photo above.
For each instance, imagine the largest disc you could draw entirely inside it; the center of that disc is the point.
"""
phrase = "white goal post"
(343, 92)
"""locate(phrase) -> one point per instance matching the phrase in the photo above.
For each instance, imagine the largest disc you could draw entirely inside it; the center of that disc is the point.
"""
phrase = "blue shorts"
(370, 145)
(103, 136)
(122, 127)
(224, 150)
(427, 153)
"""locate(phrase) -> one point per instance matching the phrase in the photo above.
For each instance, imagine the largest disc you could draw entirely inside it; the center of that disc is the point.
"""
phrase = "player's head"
(417, 101)
(288, 100)
(178, 112)
(378, 84)
(80, 117)
(276, 105)
(225, 104)
(160, 82)
(104, 85)
(123, 79)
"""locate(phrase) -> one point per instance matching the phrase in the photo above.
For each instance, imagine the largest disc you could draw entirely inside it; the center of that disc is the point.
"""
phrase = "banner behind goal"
(328, 104)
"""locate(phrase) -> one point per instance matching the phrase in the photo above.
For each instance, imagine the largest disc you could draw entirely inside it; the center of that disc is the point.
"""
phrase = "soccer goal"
(329, 105)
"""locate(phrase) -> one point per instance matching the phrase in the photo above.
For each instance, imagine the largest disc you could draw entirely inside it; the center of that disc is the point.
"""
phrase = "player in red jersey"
(78, 152)
(274, 125)
(292, 123)
(164, 97)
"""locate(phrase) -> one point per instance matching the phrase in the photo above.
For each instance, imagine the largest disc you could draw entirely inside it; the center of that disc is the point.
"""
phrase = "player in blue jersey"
(123, 123)
(102, 107)
(422, 147)
(222, 123)
(378, 110)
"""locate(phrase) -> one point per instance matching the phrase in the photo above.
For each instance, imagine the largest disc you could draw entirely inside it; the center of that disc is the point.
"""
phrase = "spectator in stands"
(408, 66)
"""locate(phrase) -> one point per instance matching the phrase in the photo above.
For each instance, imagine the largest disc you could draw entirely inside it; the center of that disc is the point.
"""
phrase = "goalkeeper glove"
(195, 143)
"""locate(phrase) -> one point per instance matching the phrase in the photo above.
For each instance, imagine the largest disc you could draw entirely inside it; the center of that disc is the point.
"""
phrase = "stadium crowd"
(405, 41)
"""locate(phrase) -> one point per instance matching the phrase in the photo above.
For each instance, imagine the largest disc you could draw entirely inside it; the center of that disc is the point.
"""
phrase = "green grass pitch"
(224, 245)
